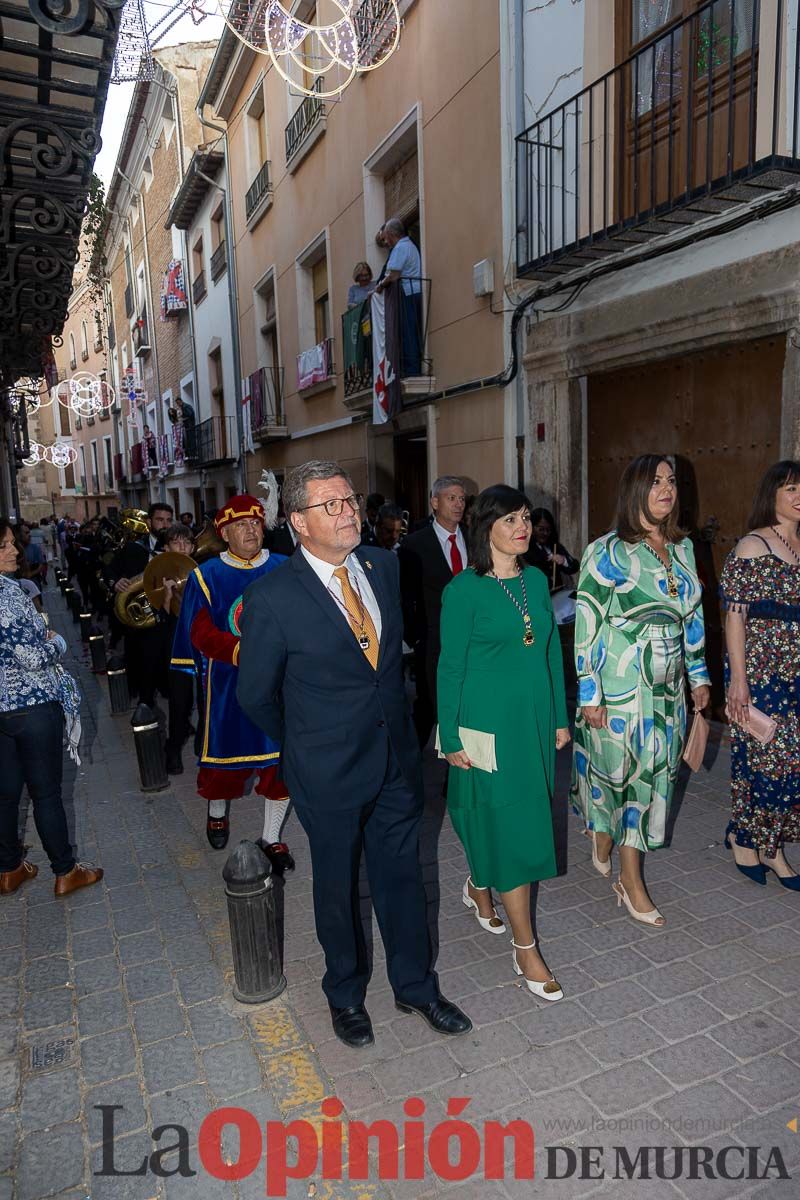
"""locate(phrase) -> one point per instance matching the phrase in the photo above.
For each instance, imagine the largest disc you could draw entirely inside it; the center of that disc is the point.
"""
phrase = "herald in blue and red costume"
(207, 644)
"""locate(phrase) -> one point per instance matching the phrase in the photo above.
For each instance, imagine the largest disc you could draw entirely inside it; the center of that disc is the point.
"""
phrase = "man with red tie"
(429, 559)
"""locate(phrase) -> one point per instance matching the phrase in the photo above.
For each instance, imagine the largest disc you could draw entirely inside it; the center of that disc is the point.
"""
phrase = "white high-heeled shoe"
(603, 867)
(484, 922)
(653, 917)
(545, 991)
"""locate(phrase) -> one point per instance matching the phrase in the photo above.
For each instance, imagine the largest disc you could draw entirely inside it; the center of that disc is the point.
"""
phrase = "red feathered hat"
(237, 508)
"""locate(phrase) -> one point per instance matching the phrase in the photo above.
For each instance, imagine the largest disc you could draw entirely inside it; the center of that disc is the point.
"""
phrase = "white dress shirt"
(444, 541)
(358, 578)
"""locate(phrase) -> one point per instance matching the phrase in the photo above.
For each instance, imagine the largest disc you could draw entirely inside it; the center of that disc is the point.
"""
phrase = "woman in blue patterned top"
(37, 696)
(761, 591)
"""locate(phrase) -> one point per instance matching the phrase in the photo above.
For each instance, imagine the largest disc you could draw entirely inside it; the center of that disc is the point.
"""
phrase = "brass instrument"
(136, 607)
(169, 565)
(208, 543)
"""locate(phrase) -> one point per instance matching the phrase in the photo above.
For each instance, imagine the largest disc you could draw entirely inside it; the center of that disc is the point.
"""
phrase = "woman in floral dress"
(761, 590)
(638, 633)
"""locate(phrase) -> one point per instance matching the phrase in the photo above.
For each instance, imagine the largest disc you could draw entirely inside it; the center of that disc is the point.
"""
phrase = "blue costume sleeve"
(184, 655)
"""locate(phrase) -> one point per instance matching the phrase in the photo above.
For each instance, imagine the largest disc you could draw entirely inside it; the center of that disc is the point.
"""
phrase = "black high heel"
(792, 882)
(758, 872)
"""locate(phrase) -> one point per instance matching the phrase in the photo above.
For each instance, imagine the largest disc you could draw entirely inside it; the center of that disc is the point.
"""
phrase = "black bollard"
(254, 928)
(63, 584)
(85, 619)
(118, 693)
(149, 749)
(73, 604)
(97, 650)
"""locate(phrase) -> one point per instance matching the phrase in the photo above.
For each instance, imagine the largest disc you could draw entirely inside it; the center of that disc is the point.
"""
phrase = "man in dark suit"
(429, 559)
(321, 671)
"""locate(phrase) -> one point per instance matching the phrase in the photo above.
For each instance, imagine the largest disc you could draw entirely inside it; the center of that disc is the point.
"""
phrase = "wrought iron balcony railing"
(309, 114)
(215, 441)
(266, 398)
(259, 188)
(129, 301)
(219, 261)
(704, 117)
(199, 287)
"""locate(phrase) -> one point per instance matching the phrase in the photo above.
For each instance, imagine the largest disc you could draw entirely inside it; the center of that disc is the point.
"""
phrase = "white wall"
(212, 317)
(553, 55)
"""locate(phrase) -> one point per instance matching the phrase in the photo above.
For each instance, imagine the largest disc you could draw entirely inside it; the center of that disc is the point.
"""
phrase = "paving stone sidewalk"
(121, 995)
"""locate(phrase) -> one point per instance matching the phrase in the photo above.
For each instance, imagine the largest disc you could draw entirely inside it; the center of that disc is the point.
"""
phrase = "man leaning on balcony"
(404, 265)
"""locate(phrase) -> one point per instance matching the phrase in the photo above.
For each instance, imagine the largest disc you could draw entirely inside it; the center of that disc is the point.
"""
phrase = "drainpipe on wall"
(162, 491)
(233, 298)
(185, 245)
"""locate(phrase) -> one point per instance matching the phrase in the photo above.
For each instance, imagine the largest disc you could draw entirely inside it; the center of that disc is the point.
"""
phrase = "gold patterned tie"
(360, 620)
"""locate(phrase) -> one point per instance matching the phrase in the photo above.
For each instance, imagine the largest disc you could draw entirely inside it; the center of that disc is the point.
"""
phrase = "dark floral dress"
(765, 780)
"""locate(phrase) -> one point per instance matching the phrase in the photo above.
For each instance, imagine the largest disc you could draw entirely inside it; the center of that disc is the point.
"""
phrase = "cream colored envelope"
(478, 747)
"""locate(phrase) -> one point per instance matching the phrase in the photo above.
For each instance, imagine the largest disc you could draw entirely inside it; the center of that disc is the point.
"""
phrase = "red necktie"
(456, 563)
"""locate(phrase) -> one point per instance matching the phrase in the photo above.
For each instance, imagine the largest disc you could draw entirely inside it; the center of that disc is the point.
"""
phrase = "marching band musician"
(207, 643)
(176, 540)
(146, 669)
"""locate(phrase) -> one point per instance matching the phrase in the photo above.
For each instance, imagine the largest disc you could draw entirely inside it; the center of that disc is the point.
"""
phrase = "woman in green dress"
(501, 674)
(638, 633)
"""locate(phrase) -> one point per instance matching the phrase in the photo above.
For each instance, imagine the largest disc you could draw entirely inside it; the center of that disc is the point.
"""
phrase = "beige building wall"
(440, 92)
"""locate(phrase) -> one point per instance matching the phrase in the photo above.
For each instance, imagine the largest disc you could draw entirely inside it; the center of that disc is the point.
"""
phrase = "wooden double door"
(686, 90)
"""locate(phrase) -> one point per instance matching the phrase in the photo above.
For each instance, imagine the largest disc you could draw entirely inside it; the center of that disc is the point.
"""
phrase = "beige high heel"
(603, 867)
(484, 922)
(545, 991)
(653, 917)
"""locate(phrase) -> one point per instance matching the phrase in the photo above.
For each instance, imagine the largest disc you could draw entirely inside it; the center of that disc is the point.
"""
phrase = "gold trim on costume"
(204, 758)
(204, 586)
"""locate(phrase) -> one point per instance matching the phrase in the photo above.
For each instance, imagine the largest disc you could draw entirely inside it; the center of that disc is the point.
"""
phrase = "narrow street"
(122, 996)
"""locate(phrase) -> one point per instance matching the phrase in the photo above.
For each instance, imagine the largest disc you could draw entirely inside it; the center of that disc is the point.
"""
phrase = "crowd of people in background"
(478, 608)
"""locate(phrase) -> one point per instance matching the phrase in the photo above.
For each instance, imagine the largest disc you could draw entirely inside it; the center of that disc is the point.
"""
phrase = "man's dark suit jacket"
(424, 574)
(130, 561)
(305, 681)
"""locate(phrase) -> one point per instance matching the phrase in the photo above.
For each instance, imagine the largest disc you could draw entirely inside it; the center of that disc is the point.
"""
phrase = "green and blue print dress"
(634, 644)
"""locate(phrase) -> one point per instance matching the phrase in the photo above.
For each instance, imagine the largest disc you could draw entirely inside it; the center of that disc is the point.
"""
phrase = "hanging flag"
(247, 422)
(385, 356)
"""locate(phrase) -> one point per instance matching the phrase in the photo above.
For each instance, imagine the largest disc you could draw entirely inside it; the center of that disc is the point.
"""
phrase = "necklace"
(789, 547)
(357, 620)
(527, 637)
(672, 586)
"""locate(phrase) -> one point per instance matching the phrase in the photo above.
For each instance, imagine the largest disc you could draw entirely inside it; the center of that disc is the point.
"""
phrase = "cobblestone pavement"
(121, 995)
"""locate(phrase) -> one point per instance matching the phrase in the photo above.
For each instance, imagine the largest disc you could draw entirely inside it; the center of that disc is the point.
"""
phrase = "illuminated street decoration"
(86, 394)
(362, 38)
(59, 454)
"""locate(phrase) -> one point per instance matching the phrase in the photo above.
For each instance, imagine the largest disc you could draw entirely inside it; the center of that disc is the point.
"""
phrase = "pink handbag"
(695, 748)
(760, 726)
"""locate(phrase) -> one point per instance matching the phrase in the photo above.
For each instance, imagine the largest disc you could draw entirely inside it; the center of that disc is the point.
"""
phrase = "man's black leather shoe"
(352, 1026)
(278, 854)
(441, 1015)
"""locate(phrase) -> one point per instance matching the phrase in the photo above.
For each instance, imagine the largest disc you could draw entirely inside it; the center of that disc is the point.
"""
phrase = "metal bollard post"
(149, 749)
(85, 619)
(118, 693)
(97, 650)
(254, 928)
(73, 604)
(63, 584)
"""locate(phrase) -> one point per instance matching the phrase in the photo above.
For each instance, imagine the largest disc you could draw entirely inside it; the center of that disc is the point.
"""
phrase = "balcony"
(73, 362)
(199, 287)
(267, 418)
(258, 196)
(407, 343)
(95, 485)
(219, 262)
(108, 482)
(119, 473)
(137, 460)
(305, 128)
(129, 301)
(140, 335)
(701, 120)
(316, 371)
(215, 441)
(85, 354)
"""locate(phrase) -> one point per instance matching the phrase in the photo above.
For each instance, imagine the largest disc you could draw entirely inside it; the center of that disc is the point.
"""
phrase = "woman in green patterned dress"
(638, 632)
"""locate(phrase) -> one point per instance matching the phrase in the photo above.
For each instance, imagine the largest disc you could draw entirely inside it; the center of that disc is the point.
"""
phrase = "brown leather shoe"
(10, 881)
(81, 876)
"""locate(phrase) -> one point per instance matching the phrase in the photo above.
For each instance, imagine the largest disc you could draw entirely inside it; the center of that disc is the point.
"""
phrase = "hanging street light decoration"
(59, 455)
(86, 394)
(317, 60)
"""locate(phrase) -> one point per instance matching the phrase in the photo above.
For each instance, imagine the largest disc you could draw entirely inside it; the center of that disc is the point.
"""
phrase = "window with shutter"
(319, 282)
(401, 191)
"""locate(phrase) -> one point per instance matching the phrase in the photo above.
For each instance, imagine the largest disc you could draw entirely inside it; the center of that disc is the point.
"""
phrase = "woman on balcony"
(362, 286)
(639, 632)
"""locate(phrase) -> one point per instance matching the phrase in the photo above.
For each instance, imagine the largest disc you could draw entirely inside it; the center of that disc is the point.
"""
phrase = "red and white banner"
(385, 356)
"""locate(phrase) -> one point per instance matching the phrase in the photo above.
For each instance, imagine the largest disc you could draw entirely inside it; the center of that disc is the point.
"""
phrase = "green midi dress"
(489, 680)
(634, 647)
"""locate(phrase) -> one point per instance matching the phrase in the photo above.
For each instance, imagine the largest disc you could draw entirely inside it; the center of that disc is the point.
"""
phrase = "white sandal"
(653, 917)
(545, 991)
(484, 922)
(603, 867)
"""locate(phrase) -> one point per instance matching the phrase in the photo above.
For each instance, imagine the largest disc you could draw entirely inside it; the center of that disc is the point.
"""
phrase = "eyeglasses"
(335, 507)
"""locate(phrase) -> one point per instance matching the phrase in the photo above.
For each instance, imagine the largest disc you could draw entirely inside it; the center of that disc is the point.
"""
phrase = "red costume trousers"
(213, 783)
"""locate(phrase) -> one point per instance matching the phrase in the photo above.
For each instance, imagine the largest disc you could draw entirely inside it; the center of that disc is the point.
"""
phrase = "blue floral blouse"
(29, 668)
